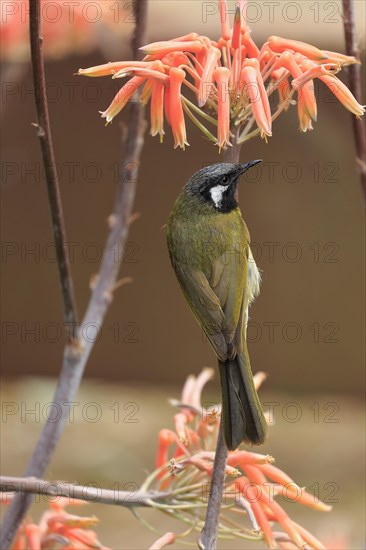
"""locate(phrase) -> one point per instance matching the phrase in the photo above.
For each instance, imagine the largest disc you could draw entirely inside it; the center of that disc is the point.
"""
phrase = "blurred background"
(304, 209)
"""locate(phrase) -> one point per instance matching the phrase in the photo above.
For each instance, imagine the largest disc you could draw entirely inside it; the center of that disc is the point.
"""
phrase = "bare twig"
(53, 188)
(354, 72)
(209, 532)
(35, 486)
(76, 355)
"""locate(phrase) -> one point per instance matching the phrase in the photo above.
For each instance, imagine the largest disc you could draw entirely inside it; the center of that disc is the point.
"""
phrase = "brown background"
(310, 211)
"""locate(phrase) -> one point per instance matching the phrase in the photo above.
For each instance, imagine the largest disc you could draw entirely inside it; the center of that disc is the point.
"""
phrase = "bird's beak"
(247, 165)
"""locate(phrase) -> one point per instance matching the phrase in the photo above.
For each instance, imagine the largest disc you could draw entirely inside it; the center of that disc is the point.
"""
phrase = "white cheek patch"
(217, 194)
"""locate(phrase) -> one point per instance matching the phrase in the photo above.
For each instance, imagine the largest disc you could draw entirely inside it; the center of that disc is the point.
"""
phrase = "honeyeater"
(209, 247)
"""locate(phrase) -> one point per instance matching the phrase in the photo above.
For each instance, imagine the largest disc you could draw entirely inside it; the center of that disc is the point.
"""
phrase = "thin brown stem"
(76, 356)
(35, 486)
(208, 538)
(354, 74)
(53, 188)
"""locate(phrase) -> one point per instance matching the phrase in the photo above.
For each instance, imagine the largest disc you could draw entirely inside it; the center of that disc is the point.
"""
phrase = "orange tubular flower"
(240, 458)
(309, 538)
(315, 72)
(212, 58)
(167, 104)
(343, 94)
(278, 45)
(224, 18)
(262, 91)
(162, 48)
(175, 108)
(246, 488)
(343, 60)
(252, 49)
(278, 476)
(287, 61)
(221, 76)
(248, 79)
(163, 541)
(157, 110)
(166, 439)
(122, 97)
(305, 121)
(180, 421)
(306, 498)
(200, 382)
(34, 536)
(306, 98)
(146, 73)
(236, 39)
(112, 68)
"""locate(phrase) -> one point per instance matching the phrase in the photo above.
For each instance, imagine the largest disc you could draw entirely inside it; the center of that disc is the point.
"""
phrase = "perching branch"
(208, 537)
(354, 72)
(58, 489)
(53, 188)
(76, 354)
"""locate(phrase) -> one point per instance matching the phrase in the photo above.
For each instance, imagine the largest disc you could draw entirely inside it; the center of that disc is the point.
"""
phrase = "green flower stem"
(199, 111)
(203, 129)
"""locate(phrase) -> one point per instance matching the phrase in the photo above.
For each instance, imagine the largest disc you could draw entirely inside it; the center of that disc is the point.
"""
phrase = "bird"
(209, 248)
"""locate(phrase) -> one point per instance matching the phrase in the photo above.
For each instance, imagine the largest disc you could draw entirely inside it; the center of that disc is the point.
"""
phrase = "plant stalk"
(354, 74)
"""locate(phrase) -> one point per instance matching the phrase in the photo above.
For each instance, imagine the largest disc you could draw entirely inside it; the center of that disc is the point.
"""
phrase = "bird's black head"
(216, 184)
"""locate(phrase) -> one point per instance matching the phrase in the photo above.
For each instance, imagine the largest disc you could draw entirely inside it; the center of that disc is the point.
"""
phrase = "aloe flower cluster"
(58, 528)
(231, 80)
(253, 485)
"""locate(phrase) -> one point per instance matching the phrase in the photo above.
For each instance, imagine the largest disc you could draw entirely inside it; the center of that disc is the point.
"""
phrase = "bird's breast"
(197, 240)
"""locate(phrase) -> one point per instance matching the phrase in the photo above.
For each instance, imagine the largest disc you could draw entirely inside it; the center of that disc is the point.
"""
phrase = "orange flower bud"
(343, 94)
(278, 476)
(279, 45)
(240, 458)
(157, 110)
(165, 439)
(224, 18)
(250, 85)
(175, 108)
(163, 541)
(236, 39)
(33, 534)
(112, 68)
(315, 72)
(162, 48)
(221, 76)
(122, 97)
(212, 58)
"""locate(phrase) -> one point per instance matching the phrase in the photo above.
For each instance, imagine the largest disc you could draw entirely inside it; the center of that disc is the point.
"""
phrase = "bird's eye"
(225, 180)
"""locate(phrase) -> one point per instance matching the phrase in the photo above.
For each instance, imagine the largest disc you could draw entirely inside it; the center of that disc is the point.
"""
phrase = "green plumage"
(210, 253)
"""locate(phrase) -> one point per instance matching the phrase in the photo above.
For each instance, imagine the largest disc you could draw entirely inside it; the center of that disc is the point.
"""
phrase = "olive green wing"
(229, 278)
(219, 304)
(205, 306)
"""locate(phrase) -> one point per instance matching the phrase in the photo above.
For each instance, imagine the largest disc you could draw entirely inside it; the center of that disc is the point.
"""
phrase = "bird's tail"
(242, 414)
